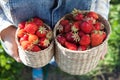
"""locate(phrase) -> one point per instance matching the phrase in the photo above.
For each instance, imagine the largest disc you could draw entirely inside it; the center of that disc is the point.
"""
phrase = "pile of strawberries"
(34, 35)
(80, 31)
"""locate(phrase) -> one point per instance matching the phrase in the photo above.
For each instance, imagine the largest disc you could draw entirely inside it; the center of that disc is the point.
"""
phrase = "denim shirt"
(50, 11)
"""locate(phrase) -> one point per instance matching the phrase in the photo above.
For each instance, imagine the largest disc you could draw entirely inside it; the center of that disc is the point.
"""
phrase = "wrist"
(7, 32)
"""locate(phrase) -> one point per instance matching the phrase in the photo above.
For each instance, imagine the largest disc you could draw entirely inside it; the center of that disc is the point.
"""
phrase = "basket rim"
(84, 11)
(30, 52)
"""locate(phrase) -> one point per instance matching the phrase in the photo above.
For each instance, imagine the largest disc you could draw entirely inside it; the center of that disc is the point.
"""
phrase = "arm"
(101, 7)
(4, 22)
(7, 34)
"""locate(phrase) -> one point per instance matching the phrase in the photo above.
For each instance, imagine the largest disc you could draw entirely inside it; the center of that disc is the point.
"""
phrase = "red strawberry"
(21, 33)
(69, 37)
(21, 25)
(26, 45)
(44, 42)
(97, 38)
(90, 20)
(72, 37)
(33, 38)
(24, 38)
(37, 21)
(61, 39)
(70, 46)
(67, 28)
(64, 22)
(82, 48)
(93, 15)
(41, 32)
(81, 33)
(78, 16)
(76, 26)
(86, 27)
(97, 26)
(85, 40)
(35, 48)
(31, 27)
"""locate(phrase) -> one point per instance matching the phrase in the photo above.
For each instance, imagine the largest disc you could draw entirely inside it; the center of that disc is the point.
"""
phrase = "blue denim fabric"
(49, 10)
(37, 74)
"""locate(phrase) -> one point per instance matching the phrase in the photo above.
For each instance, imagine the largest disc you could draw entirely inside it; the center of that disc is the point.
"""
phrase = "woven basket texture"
(36, 59)
(80, 62)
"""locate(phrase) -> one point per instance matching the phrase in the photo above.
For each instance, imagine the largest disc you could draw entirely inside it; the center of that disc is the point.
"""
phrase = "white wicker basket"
(36, 59)
(79, 62)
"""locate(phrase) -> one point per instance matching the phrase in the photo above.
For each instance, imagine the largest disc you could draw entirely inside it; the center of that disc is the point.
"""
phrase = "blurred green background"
(108, 69)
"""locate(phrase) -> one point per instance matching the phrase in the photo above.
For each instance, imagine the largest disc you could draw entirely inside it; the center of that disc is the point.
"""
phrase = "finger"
(17, 58)
(15, 55)
(104, 52)
(12, 50)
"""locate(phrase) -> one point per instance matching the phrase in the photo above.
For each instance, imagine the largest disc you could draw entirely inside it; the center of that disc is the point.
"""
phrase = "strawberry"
(33, 38)
(26, 45)
(97, 26)
(35, 48)
(86, 27)
(64, 22)
(77, 15)
(44, 43)
(72, 37)
(41, 32)
(90, 20)
(21, 33)
(97, 38)
(69, 37)
(92, 14)
(70, 46)
(81, 33)
(82, 48)
(76, 26)
(37, 21)
(85, 40)
(24, 38)
(67, 28)
(21, 25)
(31, 27)
(61, 39)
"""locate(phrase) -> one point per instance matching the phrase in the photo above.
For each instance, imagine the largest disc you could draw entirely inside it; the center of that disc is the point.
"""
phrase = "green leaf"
(7, 67)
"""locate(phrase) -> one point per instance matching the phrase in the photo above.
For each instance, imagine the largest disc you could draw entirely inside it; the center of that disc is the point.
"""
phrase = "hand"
(8, 37)
(104, 52)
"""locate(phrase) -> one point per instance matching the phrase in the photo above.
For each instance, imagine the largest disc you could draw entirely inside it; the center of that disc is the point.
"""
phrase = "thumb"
(104, 52)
